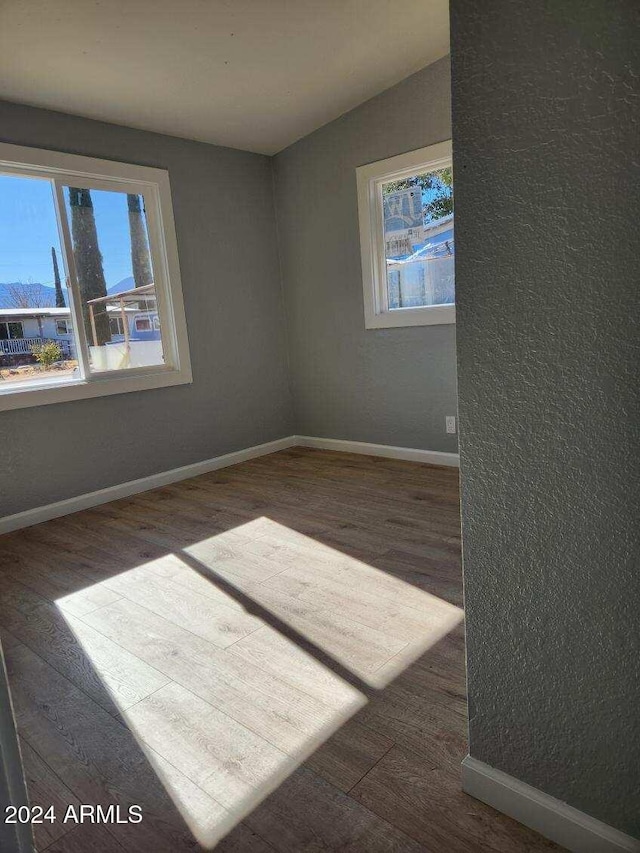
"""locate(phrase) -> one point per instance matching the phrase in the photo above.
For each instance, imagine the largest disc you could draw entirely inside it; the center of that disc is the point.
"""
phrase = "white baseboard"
(409, 454)
(144, 484)
(552, 818)
(154, 481)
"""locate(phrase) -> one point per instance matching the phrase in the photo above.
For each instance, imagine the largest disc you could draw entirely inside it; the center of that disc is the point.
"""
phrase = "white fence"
(23, 346)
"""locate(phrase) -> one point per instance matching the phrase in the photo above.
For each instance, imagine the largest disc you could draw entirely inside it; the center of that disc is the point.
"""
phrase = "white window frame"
(370, 179)
(153, 184)
(68, 327)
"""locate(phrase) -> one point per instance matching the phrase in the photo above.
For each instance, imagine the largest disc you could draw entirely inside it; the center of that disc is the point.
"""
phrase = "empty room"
(319, 426)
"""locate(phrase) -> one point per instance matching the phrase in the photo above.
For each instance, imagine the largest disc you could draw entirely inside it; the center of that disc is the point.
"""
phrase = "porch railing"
(22, 346)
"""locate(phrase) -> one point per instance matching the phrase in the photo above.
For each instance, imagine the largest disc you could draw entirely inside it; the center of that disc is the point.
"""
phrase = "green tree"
(56, 280)
(140, 256)
(440, 181)
(88, 259)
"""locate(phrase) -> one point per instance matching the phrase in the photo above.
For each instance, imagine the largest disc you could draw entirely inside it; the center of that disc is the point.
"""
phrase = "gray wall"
(240, 396)
(392, 386)
(545, 128)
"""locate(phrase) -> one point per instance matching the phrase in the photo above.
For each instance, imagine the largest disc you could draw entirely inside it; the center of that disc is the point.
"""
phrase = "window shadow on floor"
(284, 578)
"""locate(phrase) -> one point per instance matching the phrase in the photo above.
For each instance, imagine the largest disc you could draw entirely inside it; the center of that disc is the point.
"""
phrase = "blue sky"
(28, 230)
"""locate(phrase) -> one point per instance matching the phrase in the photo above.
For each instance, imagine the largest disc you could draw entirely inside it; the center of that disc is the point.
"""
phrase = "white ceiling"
(252, 74)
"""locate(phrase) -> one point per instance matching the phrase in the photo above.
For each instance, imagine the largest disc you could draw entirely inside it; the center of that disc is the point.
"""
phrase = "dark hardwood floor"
(268, 657)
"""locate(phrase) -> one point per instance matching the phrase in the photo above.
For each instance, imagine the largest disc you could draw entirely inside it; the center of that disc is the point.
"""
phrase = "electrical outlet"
(450, 422)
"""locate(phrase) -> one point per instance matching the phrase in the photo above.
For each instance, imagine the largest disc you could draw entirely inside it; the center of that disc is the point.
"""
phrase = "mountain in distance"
(43, 296)
(126, 284)
(39, 294)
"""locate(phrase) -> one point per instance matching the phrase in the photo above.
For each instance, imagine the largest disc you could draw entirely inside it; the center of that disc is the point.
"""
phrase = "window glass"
(113, 264)
(418, 240)
(11, 330)
(90, 293)
(32, 285)
(143, 324)
(117, 326)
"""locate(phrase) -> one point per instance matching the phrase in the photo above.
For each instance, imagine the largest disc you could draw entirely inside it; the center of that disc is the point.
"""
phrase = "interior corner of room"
(318, 498)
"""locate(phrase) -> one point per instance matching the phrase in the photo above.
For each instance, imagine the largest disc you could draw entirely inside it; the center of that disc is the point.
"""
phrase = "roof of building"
(26, 313)
(136, 294)
(34, 312)
(438, 243)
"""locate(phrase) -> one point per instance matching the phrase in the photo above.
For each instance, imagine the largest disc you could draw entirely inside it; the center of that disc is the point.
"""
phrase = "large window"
(405, 206)
(88, 252)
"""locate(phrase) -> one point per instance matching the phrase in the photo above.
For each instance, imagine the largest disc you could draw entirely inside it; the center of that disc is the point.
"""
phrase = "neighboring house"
(425, 277)
(21, 328)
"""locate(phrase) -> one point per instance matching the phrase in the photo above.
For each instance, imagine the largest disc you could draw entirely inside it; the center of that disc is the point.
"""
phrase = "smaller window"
(405, 206)
(116, 326)
(63, 327)
(143, 324)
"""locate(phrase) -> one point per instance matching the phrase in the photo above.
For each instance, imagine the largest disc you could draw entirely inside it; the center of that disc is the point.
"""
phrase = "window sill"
(64, 390)
(434, 315)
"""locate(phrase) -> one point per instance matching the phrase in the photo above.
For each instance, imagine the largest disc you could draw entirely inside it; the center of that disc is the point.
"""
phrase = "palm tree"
(56, 280)
(140, 256)
(88, 258)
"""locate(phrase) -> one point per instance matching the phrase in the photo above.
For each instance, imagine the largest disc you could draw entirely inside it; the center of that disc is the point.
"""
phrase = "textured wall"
(392, 386)
(223, 204)
(545, 129)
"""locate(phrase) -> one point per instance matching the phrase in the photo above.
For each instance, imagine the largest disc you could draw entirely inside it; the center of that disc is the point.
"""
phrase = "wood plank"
(185, 572)
(45, 578)
(277, 709)
(306, 813)
(16, 596)
(349, 754)
(85, 600)
(242, 839)
(93, 755)
(406, 622)
(285, 659)
(228, 761)
(257, 598)
(213, 621)
(7, 639)
(363, 580)
(112, 676)
(207, 820)
(424, 708)
(85, 837)
(428, 804)
(45, 790)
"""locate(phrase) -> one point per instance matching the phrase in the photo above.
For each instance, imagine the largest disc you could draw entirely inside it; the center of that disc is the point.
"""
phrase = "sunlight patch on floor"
(371, 622)
(233, 660)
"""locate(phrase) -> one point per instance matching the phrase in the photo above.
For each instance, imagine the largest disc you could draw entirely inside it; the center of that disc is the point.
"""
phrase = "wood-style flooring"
(266, 658)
